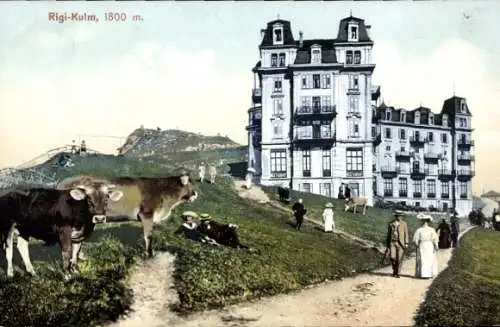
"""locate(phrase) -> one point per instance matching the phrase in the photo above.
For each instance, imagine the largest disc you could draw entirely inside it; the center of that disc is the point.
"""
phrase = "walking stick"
(386, 253)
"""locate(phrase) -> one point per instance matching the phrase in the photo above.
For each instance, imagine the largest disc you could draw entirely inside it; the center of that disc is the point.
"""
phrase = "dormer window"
(431, 119)
(463, 107)
(403, 117)
(417, 117)
(353, 34)
(445, 120)
(278, 34)
(316, 54)
(388, 114)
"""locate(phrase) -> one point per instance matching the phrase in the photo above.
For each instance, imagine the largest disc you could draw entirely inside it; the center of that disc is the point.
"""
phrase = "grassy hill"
(205, 277)
(467, 293)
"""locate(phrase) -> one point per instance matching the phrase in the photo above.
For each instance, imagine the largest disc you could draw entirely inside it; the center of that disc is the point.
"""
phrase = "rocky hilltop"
(156, 142)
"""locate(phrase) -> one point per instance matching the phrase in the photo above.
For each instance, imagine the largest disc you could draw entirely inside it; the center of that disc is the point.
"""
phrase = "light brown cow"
(150, 200)
(212, 172)
(355, 202)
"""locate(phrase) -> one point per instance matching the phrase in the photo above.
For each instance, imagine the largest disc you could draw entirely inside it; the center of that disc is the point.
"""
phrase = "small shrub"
(466, 293)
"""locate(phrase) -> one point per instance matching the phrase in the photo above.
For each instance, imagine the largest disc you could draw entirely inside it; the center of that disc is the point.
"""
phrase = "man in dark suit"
(299, 211)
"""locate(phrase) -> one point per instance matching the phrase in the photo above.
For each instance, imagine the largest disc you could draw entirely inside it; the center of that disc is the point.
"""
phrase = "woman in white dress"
(329, 224)
(426, 240)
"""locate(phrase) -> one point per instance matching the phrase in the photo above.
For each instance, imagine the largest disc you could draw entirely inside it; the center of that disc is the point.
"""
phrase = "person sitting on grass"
(190, 229)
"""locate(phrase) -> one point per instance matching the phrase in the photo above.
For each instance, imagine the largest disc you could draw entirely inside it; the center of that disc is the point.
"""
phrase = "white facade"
(312, 126)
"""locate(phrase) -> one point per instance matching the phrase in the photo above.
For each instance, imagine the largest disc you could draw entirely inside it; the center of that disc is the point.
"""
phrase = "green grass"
(372, 226)
(467, 293)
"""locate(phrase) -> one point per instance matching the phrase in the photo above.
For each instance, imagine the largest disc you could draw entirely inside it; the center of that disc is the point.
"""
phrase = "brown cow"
(148, 199)
(355, 202)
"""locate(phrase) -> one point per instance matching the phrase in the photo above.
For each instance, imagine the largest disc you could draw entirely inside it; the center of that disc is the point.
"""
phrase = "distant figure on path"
(74, 150)
(329, 224)
(341, 192)
(444, 232)
(299, 211)
(455, 230)
(426, 240)
(347, 192)
(249, 178)
(83, 148)
(397, 241)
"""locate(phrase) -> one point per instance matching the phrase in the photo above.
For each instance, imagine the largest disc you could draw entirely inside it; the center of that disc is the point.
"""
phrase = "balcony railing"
(327, 173)
(417, 173)
(403, 194)
(278, 174)
(388, 193)
(431, 156)
(417, 194)
(306, 173)
(463, 196)
(464, 158)
(325, 139)
(417, 141)
(465, 143)
(388, 171)
(431, 195)
(445, 195)
(354, 173)
(306, 110)
(402, 155)
(257, 95)
(465, 175)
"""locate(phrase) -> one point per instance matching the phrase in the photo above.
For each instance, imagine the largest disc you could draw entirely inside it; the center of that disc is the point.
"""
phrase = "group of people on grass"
(426, 239)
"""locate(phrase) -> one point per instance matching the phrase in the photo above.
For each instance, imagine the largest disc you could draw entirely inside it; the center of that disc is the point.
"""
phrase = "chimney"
(368, 28)
(301, 40)
(262, 32)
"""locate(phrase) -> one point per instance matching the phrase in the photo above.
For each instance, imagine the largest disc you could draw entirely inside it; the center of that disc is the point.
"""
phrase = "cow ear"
(115, 195)
(184, 179)
(77, 194)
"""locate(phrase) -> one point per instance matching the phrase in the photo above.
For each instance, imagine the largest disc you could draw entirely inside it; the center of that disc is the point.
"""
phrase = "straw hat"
(423, 216)
(398, 213)
(190, 214)
(205, 215)
(329, 205)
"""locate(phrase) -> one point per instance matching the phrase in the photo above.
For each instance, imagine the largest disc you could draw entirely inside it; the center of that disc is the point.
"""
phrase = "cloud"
(407, 81)
(153, 85)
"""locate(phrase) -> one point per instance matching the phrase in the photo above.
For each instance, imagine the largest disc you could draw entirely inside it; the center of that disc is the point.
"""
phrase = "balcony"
(463, 196)
(431, 195)
(326, 141)
(465, 144)
(388, 193)
(465, 159)
(403, 194)
(278, 174)
(465, 175)
(445, 195)
(327, 173)
(403, 156)
(388, 172)
(354, 173)
(305, 113)
(257, 95)
(430, 157)
(306, 173)
(377, 140)
(445, 175)
(417, 195)
(417, 173)
(417, 141)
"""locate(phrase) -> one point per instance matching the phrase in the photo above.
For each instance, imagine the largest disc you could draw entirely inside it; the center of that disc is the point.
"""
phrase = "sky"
(187, 65)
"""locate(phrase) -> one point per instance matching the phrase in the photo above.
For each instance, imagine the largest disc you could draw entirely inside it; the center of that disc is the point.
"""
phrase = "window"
(278, 35)
(304, 82)
(430, 137)
(306, 163)
(316, 81)
(353, 128)
(464, 107)
(403, 187)
(445, 120)
(278, 163)
(417, 117)
(388, 115)
(388, 148)
(306, 187)
(445, 189)
(348, 57)
(402, 134)
(316, 56)
(403, 117)
(463, 190)
(354, 162)
(354, 82)
(462, 122)
(278, 107)
(327, 163)
(325, 81)
(388, 191)
(417, 188)
(326, 131)
(431, 119)
(431, 188)
(353, 104)
(388, 133)
(278, 85)
(316, 103)
(282, 57)
(326, 189)
(274, 60)
(354, 187)
(444, 138)
(353, 33)
(374, 131)
(278, 130)
(357, 57)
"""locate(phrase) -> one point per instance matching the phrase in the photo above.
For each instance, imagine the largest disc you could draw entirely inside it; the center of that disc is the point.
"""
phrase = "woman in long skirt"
(426, 240)
(328, 218)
